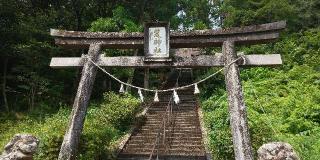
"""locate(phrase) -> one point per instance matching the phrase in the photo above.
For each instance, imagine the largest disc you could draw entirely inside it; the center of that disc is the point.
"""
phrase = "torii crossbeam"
(227, 38)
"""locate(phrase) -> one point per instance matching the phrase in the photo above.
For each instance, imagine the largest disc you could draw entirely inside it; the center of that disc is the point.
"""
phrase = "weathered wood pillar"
(237, 108)
(71, 139)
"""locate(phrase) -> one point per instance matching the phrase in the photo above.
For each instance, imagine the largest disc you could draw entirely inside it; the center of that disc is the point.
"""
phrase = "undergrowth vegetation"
(105, 123)
(283, 104)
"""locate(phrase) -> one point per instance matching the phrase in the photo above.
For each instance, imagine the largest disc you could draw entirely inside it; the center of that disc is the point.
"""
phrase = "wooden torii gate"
(227, 38)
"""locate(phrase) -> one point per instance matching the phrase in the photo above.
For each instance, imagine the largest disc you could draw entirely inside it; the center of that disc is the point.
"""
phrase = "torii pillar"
(71, 138)
(237, 109)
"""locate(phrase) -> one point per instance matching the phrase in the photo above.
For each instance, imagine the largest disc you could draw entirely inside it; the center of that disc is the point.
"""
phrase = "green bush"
(281, 106)
(104, 124)
(50, 132)
(217, 120)
(118, 110)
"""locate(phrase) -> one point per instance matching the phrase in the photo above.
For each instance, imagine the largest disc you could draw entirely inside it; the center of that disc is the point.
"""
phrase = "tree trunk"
(142, 11)
(71, 139)
(4, 84)
(32, 97)
(104, 84)
(78, 13)
(237, 108)
(109, 80)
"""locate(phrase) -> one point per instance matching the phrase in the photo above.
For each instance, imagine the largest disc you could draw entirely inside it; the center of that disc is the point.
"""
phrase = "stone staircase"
(183, 138)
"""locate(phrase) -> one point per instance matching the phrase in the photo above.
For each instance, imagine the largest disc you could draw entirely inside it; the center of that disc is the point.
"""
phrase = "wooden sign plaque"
(156, 40)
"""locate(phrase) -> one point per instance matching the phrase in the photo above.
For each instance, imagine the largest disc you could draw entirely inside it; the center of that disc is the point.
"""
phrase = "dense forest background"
(283, 103)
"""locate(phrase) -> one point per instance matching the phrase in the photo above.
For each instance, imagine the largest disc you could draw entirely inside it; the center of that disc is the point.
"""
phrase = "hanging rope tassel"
(176, 97)
(196, 89)
(156, 98)
(121, 90)
(181, 87)
(141, 95)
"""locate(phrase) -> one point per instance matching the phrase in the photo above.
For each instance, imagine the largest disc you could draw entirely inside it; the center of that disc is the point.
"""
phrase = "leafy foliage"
(282, 103)
(119, 22)
(102, 127)
(118, 113)
(281, 107)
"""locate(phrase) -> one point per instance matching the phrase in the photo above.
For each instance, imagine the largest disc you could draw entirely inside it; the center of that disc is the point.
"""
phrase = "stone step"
(183, 98)
(168, 140)
(167, 144)
(165, 99)
(178, 113)
(169, 131)
(185, 150)
(161, 157)
(190, 132)
(145, 156)
(173, 120)
(165, 108)
(192, 140)
(165, 103)
(173, 123)
(177, 137)
(159, 124)
(199, 151)
(175, 127)
(192, 136)
(181, 124)
(175, 115)
(182, 94)
(174, 109)
(178, 125)
(183, 135)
